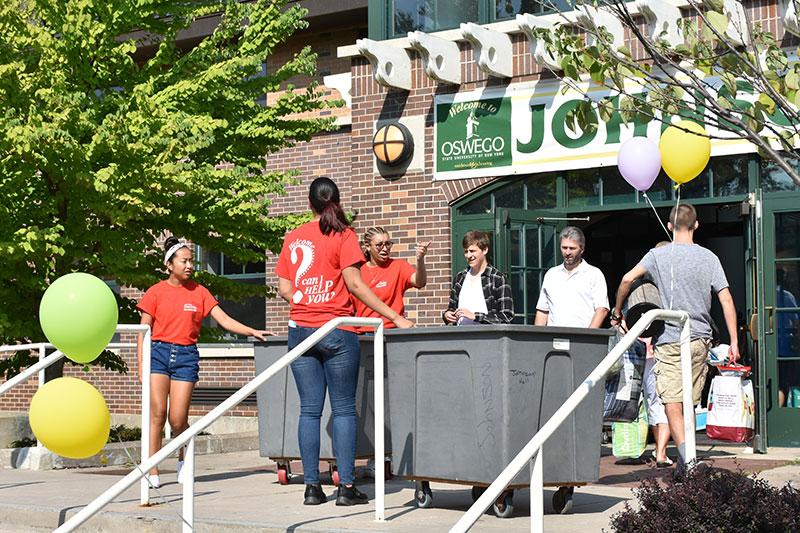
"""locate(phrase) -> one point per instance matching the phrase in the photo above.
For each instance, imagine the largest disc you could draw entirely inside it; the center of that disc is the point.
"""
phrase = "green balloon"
(78, 314)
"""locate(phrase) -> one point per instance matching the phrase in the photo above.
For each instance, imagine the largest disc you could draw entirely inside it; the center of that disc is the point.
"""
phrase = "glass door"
(781, 319)
(527, 245)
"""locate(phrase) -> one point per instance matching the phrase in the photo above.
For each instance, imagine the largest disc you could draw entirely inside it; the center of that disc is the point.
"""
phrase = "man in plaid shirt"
(480, 293)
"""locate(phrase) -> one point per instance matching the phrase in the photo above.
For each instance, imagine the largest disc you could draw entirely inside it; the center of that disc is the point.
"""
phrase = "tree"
(113, 132)
(709, 63)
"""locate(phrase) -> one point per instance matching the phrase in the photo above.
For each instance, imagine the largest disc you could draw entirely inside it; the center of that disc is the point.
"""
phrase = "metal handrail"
(534, 446)
(188, 436)
(47, 360)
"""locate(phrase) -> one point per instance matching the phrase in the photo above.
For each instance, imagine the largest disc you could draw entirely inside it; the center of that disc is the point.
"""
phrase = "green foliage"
(24, 442)
(122, 433)
(111, 133)
(703, 74)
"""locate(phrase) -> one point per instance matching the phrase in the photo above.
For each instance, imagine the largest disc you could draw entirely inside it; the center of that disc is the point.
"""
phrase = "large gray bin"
(279, 408)
(465, 400)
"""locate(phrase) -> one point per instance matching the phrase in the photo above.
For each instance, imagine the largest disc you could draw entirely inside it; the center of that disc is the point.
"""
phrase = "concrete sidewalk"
(239, 492)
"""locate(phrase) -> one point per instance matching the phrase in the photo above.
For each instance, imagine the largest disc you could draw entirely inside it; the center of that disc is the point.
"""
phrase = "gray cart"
(279, 411)
(465, 400)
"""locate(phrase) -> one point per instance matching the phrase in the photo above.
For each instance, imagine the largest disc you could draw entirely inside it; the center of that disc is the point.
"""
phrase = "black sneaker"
(350, 496)
(314, 495)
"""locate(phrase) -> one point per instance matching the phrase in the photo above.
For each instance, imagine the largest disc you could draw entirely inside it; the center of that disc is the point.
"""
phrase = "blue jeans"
(179, 362)
(333, 365)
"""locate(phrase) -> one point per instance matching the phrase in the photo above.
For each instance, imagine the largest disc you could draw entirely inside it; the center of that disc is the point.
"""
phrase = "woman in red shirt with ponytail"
(318, 269)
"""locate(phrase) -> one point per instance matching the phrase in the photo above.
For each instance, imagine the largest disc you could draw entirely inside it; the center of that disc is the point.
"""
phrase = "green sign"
(473, 135)
(523, 129)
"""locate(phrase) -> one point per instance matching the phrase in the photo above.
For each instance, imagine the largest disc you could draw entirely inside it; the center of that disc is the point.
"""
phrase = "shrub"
(24, 442)
(123, 433)
(711, 500)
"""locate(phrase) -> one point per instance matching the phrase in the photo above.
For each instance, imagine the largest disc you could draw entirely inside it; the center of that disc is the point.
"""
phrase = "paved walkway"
(239, 492)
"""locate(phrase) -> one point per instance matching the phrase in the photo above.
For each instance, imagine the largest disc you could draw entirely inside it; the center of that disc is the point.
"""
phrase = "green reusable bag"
(630, 438)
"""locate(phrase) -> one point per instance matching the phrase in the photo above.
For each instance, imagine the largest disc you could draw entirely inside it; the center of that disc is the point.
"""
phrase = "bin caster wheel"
(423, 495)
(477, 492)
(334, 471)
(504, 506)
(562, 500)
(284, 473)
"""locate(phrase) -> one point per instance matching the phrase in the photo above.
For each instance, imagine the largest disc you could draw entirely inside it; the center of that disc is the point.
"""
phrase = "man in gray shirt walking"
(686, 275)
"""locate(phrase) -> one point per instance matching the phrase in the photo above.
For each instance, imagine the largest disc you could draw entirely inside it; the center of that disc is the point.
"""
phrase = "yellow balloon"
(684, 155)
(70, 417)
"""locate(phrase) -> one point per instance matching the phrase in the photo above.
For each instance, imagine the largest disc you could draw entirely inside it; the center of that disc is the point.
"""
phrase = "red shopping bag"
(731, 405)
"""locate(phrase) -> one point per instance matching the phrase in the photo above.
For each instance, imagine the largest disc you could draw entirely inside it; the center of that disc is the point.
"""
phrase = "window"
(251, 311)
(506, 9)
(436, 15)
(531, 192)
(430, 15)
(775, 179)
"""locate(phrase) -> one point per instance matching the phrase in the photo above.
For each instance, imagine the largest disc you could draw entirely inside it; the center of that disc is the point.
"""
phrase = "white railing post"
(42, 355)
(188, 487)
(144, 487)
(537, 493)
(688, 397)
(380, 445)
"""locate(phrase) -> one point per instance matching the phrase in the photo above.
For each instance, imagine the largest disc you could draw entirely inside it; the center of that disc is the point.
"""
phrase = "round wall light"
(392, 144)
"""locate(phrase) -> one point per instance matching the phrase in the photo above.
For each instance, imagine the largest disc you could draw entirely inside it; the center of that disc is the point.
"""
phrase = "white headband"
(172, 249)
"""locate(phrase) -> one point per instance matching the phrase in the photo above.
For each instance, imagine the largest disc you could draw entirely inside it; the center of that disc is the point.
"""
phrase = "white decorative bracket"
(343, 83)
(737, 30)
(594, 18)
(528, 24)
(391, 66)
(662, 20)
(441, 58)
(789, 16)
(493, 50)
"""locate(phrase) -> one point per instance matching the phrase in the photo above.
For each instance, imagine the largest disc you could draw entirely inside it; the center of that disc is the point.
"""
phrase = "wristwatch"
(615, 318)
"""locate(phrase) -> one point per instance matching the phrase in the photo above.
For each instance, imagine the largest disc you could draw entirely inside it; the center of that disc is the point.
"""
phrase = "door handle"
(752, 326)
(770, 312)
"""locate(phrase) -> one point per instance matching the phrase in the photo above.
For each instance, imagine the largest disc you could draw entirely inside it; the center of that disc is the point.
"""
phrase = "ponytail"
(324, 198)
(332, 219)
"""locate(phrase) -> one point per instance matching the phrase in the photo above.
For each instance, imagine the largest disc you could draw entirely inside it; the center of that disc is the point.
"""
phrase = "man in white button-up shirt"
(574, 293)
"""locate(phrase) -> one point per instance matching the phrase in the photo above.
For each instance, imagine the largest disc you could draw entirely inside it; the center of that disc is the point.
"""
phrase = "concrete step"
(119, 453)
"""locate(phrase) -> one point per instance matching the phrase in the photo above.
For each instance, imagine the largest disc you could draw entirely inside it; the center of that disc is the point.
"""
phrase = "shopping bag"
(624, 388)
(731, 405)
(629, 439)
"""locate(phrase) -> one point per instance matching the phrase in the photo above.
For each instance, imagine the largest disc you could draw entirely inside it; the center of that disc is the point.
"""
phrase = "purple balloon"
(639, 162)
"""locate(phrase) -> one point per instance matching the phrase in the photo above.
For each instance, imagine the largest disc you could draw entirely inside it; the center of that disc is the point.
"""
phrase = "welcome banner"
(521, 129)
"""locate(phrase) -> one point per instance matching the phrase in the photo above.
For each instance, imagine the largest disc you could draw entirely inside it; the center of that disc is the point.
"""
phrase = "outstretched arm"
(234, 326)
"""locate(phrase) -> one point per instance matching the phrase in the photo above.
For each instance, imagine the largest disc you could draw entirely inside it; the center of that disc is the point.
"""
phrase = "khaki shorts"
(668, 370)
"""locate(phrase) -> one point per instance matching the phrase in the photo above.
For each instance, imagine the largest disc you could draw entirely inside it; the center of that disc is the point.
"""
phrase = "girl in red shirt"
(387, 278)
(174, 309)
(317, 271)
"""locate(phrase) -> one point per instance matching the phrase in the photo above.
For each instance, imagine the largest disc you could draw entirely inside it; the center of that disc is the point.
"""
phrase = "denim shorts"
(180, 363)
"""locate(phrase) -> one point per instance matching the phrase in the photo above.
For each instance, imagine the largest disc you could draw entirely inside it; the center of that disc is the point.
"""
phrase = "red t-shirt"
(177, 311)
(389, 283)
(313, 263)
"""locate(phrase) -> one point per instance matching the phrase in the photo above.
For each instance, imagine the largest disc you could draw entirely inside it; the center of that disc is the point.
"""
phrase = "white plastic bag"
(731, 406)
